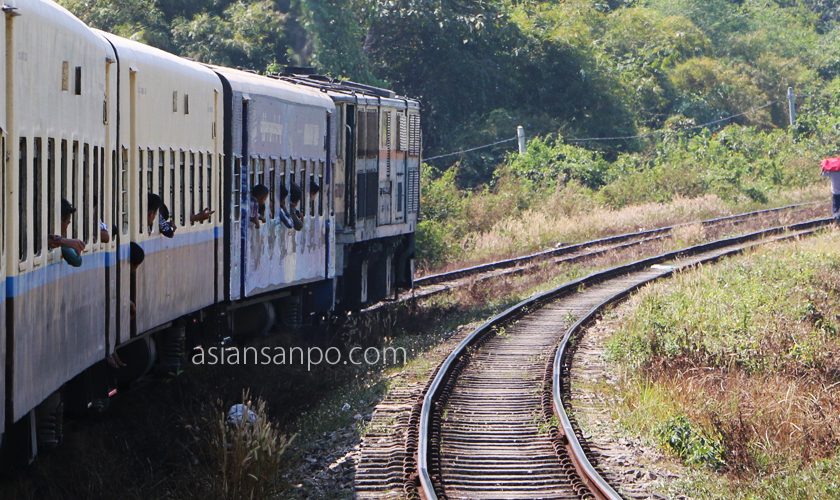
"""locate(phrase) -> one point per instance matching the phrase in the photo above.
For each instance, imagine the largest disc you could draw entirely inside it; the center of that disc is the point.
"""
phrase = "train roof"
(59, 17)
(348, 91)
(140, 56)
(252, 83)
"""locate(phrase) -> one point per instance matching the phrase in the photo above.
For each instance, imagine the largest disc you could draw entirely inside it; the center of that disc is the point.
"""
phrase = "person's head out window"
(136, 256)
(67, 211)
(260, 193)
(296, 195)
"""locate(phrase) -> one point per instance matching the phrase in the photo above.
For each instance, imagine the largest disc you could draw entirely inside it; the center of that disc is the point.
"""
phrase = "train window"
(96, 214)
(300, 175)
(65, 76)
(51, 198)
(124, 191)
(282, 166)
(186, 104)
(235, 188)
(74, 180)
(261, 171)
(311, 198)
(292, 178)
(78, 80)
(161, 170)
(182, 188)
(209, 203)
(252, 173)
(63, 169)
(150, 181)
(321, 192)
(174, 101)
(171, 207)
(141, 216)
(83, 209)
(183, 167)
(37, 213)
(399, 197)
(272, 183)
(185, 188)
(199, 197)
(22, 211)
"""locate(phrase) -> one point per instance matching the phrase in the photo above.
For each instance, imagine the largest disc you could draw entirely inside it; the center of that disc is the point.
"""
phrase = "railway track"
(438, 283)
(493, 422)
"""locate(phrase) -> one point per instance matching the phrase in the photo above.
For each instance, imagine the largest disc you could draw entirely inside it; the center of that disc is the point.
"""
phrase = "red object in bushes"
(831, 165)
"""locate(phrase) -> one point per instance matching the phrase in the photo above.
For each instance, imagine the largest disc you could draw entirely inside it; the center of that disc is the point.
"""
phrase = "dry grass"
(248, 454)
(748, 351)
(562, 219)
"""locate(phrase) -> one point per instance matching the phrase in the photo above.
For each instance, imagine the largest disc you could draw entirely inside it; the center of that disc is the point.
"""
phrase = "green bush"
(688, 443)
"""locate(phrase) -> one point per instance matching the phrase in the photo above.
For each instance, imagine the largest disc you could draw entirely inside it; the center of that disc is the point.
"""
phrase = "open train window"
(282, 166)
(161, 171)
(78, 86)
(171, 207)
(96, 214)
(83, 209)
(209, 203)
(192, 185)
(37, 166)
(124, 191)
(51, 198)
(236, 188)
(74, 180)
(183, 170)
(150, 181)
(22, 211)
(272, 184)
(200, 200)
(323, 189)
(141, 214)
(292, 178)
(182, 206)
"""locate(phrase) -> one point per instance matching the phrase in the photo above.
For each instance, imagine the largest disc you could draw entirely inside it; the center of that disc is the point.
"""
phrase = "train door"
(138, 219)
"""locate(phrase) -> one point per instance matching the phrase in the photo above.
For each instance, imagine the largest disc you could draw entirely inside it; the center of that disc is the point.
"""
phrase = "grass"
(558, 221)
(733, 368)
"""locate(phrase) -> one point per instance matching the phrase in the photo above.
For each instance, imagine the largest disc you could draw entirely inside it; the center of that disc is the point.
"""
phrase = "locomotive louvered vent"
(414, 135)
(402, 132)
(413, 191)
(388, 144)
(372, 133)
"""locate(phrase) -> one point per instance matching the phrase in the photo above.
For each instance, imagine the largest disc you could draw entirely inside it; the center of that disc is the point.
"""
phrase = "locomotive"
(104, 122)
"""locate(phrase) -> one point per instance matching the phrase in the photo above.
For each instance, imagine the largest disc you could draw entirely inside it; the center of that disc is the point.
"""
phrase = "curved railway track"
(434, 284)
(494, 421)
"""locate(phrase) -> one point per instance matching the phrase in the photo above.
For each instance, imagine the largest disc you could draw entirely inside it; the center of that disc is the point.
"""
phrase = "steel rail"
(589, 474)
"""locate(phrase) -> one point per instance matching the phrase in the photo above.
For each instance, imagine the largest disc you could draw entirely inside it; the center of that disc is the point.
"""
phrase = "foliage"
(680, 436)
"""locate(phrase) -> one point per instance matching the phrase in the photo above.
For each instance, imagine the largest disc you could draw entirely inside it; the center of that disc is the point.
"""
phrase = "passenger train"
(102, 122)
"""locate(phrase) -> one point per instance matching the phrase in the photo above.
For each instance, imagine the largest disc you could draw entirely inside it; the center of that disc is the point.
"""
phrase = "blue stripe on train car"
(24, 283)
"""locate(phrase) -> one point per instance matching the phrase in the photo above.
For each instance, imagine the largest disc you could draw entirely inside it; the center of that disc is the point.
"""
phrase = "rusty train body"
(103, 121)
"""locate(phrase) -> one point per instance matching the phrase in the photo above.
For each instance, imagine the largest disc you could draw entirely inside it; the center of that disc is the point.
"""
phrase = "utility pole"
(791, 106)
(520, 135)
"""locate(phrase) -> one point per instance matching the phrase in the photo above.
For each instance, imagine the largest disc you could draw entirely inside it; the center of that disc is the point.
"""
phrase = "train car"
(170, 145)
(59, 124)
(276, 134)
(377, 187)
